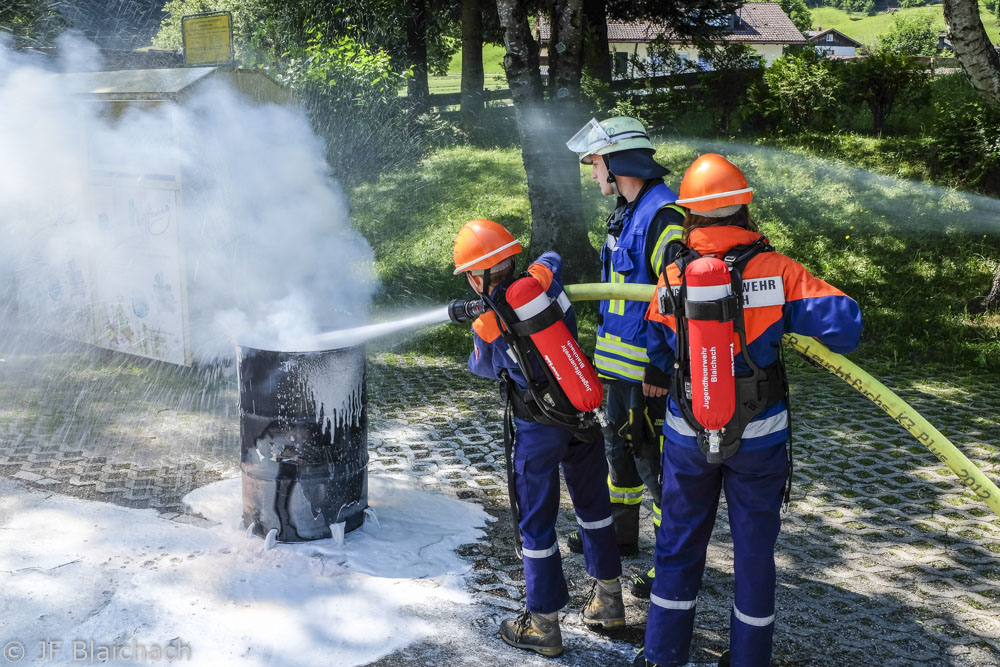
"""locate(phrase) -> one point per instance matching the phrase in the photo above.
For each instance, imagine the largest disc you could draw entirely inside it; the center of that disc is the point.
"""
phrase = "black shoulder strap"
(737, 258)
(546, 394)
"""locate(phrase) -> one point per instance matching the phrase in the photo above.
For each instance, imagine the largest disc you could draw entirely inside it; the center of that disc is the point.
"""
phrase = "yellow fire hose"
(968, 474)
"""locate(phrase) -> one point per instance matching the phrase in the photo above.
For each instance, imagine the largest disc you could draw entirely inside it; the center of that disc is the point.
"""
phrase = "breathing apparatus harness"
(763, 388)
(545, 400)
(539, 341)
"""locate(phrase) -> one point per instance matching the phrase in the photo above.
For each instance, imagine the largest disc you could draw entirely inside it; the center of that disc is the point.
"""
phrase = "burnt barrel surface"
(304, 432)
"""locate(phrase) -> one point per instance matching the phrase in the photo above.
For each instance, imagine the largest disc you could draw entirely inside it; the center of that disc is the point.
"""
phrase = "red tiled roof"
(757, 23)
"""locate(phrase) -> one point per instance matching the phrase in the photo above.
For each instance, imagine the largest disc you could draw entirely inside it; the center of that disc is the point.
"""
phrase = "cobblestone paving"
(883, 558)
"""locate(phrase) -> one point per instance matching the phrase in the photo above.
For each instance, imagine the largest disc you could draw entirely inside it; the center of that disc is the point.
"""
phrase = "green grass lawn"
(867, 28)
(495, 77)
(913, 256)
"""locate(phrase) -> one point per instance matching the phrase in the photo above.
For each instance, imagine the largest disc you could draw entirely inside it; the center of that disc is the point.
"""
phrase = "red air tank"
(557, 346)
(713, 384)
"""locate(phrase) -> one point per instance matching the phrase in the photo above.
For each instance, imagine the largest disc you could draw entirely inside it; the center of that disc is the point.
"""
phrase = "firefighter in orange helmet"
(770, 295)
(485, 252)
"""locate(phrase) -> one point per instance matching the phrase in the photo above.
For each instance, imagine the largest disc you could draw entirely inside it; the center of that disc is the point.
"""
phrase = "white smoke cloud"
(112, 219)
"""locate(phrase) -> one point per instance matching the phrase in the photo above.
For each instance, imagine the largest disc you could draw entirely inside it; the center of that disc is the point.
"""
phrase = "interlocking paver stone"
(883, 558)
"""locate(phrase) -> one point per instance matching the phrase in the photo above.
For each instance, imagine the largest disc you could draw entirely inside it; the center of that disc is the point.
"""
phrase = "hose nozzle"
(463, 311)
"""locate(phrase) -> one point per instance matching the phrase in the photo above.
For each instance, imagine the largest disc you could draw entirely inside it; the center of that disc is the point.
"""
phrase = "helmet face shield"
(602, 138)
(590, 139)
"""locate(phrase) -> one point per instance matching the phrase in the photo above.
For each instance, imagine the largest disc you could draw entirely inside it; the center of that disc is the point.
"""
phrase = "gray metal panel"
(147, 84)
(175, 84)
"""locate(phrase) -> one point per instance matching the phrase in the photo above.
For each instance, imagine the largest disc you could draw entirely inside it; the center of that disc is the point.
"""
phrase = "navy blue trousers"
(539, 450)
(754, 483)
(628, 474)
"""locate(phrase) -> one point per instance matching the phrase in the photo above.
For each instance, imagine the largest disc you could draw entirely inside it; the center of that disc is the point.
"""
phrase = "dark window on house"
(829, 37)
(621, 63)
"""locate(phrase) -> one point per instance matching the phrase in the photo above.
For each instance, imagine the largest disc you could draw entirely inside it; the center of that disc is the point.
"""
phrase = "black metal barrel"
(304, 431)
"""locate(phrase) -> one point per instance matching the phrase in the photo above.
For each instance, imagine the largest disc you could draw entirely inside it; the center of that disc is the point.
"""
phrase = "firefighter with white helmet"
(756, 296)
(639, 231)
(485, 251)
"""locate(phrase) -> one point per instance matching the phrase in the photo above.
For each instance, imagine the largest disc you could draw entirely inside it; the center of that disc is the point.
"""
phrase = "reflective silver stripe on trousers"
(756, 621)
(594, 525)
(755, 429)
(682, 605)
(540, 553)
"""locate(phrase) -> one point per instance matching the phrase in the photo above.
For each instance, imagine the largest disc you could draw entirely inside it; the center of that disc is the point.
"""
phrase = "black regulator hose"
(463, 311)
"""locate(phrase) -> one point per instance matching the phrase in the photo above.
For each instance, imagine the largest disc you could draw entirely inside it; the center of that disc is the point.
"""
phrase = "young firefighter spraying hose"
(716, 324)
(640, 229)
(524, 334)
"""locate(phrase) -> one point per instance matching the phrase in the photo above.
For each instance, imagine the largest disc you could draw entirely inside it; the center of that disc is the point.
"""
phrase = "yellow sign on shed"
(208, 38)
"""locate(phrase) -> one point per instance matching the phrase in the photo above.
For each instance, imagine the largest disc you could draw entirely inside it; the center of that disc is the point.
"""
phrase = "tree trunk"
(416, 53)
(597, 51)
(973, 48)
(552, 170)
(981, 63)
(472, 61)
(992, 300)
(566, 52)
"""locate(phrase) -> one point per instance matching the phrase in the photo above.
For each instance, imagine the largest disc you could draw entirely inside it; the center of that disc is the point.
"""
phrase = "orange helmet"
(482, 244)
(713, 182)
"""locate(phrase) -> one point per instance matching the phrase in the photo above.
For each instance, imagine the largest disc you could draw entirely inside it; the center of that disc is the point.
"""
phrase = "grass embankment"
(495, 78)
(913, 256)
(866, 29)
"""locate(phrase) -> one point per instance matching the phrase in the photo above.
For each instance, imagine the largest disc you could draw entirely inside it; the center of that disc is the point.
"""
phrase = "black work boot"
(532, 632)
(641, 583)
(605, 607)
(724, 659)
(640, 660)
(575, 544)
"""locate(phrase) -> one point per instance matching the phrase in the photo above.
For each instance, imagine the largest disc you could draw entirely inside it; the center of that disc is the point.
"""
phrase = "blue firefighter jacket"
(621, 335)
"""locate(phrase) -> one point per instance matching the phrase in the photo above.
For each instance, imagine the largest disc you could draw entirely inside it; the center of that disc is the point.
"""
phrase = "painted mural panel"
(138, 284)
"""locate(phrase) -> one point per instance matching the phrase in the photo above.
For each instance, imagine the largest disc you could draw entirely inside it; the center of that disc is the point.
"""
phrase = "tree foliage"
(31, 21)
(909, 36)
(352, 96)
(798, 12)
(264, 30)
(981, 64)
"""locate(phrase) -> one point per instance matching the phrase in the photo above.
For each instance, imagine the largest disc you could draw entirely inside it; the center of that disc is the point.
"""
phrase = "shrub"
(802, 91)
(967, 139)
(885, 81)
(910, 36)
(723, 89)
